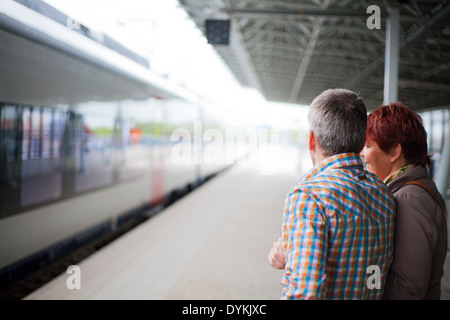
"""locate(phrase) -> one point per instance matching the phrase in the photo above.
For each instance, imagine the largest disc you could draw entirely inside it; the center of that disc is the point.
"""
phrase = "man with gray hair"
(338, 223)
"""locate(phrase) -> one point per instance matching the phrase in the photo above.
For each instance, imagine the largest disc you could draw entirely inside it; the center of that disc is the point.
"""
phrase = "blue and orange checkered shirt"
(338, 221)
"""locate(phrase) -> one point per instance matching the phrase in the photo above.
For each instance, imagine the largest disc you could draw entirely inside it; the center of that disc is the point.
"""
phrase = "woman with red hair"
(396, 151)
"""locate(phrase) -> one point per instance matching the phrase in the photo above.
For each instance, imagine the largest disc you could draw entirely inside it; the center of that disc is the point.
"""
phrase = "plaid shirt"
(338, 220)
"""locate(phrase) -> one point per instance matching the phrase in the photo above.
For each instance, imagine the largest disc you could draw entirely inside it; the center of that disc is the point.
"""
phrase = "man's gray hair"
(338, 119)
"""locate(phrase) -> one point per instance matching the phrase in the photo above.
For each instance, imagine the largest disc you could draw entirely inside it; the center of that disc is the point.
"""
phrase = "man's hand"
(276, 255)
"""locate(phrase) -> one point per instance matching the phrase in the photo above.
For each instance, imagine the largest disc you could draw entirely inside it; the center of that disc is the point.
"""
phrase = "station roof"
(290, 51)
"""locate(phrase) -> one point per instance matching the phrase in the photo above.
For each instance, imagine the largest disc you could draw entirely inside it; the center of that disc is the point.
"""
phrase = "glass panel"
(26, 133)
(136, 139)
(9, 159)
(9, 133)
(58, 121)
(41, 173)
(35, 133)
(46, 131)
(94, 153)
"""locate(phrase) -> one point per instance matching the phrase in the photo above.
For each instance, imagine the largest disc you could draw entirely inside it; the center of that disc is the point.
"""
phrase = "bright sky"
(162, 32)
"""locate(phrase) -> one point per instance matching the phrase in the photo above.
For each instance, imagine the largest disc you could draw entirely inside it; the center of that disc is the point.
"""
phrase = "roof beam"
(237, 42)
(305, 61)
(307, 57)
(318, 12)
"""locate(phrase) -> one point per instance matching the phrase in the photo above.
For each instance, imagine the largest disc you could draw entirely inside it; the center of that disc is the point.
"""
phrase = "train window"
(94, 153)
(49, 154)
(9, 133)
(135, 155)
(10, 145)
(46, 133)
(57, 131)
(41, 177)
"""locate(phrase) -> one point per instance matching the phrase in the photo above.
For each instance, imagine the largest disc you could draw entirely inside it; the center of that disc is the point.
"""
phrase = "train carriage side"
(82, 144)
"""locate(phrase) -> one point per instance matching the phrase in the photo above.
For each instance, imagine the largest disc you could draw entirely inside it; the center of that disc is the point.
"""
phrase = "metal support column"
(391, 56)
(443, 176)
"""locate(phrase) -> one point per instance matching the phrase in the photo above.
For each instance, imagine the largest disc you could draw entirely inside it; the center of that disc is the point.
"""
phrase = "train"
(90, 137)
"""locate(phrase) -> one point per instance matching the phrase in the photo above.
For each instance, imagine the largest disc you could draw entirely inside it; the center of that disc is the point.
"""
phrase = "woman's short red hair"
(395, 123)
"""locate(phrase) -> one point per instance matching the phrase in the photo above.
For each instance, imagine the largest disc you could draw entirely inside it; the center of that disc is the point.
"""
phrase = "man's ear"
(396, 152)
(312, 141)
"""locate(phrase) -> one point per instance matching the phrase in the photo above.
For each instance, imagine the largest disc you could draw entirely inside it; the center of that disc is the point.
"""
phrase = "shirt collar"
(337, 161)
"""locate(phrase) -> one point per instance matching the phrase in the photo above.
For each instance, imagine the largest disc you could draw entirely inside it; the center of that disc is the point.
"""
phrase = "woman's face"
(378, 162)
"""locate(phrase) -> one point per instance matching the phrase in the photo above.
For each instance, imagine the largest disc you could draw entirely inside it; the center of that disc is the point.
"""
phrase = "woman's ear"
(396, 152)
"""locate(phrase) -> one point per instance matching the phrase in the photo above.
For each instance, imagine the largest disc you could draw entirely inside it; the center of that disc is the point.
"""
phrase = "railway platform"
(211, 244)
